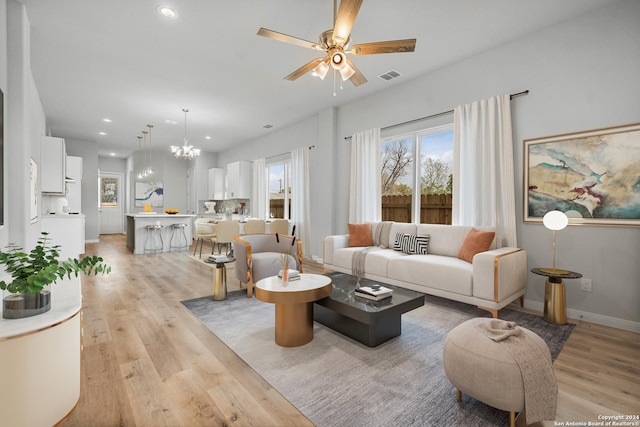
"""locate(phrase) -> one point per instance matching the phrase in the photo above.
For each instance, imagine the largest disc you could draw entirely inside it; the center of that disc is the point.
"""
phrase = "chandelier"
(186, 151)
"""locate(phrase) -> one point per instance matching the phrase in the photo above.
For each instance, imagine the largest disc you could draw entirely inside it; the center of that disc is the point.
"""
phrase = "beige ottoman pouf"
(485, 369)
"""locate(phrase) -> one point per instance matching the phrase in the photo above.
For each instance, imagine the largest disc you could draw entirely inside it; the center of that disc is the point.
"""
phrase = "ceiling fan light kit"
(334, 42)
(321, 70)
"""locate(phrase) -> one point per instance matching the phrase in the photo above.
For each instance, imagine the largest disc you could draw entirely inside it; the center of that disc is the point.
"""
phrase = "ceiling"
(121, 60)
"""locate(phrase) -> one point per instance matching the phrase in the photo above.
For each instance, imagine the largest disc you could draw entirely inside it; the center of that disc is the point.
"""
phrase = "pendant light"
(145, 170)
(140, 176)
(149, 166)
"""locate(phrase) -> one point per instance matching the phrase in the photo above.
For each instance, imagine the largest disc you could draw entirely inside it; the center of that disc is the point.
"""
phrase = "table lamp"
(554, 221)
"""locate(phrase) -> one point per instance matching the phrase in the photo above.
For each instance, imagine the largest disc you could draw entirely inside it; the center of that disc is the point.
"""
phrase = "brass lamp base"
(554, 271)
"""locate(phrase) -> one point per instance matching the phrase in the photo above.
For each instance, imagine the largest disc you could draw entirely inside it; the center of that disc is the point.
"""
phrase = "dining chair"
(280, 226)
(253, 226)
(204, 229)
(226, 230)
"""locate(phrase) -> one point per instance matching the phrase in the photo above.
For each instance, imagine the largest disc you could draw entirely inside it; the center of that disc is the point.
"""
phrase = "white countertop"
(53, 215)
(160, 215)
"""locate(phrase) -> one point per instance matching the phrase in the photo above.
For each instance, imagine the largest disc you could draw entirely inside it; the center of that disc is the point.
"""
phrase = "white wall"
(582, 74)
(171, 172)
(4, 233)
(23, 126)
(112, 164)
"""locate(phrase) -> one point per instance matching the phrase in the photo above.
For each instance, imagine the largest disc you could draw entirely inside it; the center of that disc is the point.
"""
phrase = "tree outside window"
(400, 174)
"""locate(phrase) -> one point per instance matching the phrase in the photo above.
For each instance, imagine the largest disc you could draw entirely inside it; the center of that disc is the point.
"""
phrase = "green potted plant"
(34, 271)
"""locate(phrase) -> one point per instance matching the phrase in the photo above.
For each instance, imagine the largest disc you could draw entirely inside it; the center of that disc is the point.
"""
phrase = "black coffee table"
(368, 322)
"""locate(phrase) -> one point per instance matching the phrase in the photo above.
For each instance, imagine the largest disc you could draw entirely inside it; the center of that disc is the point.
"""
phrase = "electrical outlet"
(586, 285)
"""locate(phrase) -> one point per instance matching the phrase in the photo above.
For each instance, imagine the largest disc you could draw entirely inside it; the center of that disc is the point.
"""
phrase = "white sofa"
(493, 280)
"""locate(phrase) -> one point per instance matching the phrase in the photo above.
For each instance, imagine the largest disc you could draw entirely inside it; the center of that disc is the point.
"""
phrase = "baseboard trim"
(92, 241)
(599, 319)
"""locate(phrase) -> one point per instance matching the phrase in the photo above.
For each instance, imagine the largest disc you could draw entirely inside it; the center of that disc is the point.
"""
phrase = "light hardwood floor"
(146, 361)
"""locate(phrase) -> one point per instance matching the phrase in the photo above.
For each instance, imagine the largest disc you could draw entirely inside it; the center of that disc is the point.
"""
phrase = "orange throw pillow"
(360, 235)
(475, 241)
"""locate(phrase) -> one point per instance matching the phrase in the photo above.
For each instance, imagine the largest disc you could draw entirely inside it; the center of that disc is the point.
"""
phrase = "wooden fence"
(276, 207)
(434, 208)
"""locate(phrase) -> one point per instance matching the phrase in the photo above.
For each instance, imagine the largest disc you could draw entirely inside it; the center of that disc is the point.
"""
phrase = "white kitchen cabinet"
(66, 231)
(53, 167)
(216, 184)
(239, 180)
(74, 168)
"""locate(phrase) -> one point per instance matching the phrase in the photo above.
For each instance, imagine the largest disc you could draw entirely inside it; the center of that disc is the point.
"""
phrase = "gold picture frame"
(593, 176)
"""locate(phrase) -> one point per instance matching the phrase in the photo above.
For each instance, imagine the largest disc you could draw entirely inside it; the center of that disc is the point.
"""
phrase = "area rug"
(335, 381)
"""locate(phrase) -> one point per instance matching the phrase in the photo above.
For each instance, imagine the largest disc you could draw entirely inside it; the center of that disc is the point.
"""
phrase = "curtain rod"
(432, 116)
(288, 152)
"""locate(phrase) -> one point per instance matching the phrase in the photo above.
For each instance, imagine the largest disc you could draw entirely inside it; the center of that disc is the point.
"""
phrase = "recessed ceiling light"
(113, 154)
(167, 12)
(267, 126)
(207, 137)
(106, 120)
(102, 133)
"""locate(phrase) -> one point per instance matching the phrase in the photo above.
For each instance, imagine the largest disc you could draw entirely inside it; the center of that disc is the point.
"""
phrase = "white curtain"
(300, 212)
(364, 197)
(259, 196)
(483, 187)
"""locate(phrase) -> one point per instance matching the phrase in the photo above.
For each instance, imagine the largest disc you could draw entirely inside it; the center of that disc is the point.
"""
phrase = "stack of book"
(219, 258)
(293, 274)
(373, 292)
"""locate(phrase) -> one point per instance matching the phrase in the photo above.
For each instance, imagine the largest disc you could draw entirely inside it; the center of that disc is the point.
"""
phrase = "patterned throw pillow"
(412, 243)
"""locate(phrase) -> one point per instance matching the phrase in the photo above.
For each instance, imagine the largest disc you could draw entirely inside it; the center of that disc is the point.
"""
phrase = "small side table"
(555, 305)
(294, 305)
(220, 278)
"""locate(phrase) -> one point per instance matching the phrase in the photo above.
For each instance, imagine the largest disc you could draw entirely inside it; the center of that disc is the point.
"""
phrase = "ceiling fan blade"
(345, 18)
(304, 69)
(270, 34)
(391, 46)
(358, 78)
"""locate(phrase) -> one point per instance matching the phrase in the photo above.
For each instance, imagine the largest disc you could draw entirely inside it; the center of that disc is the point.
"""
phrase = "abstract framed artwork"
(592, 176)
(149, 192)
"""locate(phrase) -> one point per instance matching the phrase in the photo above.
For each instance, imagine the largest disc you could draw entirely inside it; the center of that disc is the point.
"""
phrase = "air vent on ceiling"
(389, 75)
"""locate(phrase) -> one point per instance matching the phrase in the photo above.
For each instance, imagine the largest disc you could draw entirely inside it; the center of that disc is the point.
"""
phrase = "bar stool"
(177, 232)
(153, 242)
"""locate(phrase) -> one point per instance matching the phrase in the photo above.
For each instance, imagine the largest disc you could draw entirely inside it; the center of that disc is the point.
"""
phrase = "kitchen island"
(137, 233)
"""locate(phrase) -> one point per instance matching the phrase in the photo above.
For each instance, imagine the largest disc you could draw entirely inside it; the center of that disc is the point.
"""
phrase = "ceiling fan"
(335, 42)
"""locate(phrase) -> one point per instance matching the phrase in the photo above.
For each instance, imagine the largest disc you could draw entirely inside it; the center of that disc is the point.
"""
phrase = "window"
(280, 189)
(108, 192)
(417, 176)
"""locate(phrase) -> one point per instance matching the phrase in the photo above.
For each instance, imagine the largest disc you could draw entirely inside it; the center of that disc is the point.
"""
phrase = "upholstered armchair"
(259, 256)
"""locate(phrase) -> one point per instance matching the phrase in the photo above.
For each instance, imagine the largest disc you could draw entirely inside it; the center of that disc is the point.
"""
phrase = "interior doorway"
(111, 215)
